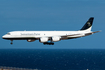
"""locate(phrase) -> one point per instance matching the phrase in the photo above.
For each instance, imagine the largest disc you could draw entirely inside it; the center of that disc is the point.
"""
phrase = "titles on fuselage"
(30, 34)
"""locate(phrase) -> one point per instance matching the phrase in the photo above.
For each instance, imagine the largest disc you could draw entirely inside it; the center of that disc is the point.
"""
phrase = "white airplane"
(48, 37)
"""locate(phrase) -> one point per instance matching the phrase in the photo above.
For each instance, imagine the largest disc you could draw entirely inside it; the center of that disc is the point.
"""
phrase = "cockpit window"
(8, 33)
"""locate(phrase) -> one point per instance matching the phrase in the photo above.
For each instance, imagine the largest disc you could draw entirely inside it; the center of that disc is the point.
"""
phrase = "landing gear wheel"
(48, 43)
(52, 43)
(11, 43)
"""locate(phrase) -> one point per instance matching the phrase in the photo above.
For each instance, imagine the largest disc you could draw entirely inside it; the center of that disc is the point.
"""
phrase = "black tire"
(11, 43)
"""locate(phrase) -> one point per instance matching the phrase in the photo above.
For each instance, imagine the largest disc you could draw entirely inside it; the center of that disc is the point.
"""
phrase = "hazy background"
(50, 15)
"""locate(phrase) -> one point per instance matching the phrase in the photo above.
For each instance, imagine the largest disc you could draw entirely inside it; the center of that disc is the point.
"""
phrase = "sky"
(51, 15)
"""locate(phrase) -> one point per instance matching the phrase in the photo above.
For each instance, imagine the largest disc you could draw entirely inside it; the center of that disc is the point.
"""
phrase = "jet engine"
(43, 39)
(55, 39)
(30, 40)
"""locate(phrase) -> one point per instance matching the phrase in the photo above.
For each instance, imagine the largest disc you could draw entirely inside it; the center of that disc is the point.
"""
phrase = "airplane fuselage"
(38, 34)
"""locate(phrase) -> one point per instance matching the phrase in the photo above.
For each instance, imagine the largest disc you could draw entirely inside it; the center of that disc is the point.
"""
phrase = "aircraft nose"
(3, 36)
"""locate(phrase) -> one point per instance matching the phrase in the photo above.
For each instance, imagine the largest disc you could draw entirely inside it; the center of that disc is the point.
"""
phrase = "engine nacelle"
(43, 39)
(55, 39)
(31, 40)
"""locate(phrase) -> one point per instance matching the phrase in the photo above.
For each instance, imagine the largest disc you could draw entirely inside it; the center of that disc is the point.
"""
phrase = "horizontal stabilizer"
(91, 33)
(96, 31)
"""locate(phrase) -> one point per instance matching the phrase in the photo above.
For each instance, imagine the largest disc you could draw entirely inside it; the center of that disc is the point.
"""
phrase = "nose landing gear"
(11, 42)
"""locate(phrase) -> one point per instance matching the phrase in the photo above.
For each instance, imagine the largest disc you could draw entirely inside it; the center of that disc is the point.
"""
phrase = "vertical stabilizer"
(88, 24)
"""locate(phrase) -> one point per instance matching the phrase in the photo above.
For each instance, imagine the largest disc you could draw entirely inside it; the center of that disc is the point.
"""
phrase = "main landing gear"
(11, 42)
(48, 43)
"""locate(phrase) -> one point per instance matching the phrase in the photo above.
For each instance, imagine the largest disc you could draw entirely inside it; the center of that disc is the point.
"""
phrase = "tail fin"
(88, 24)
